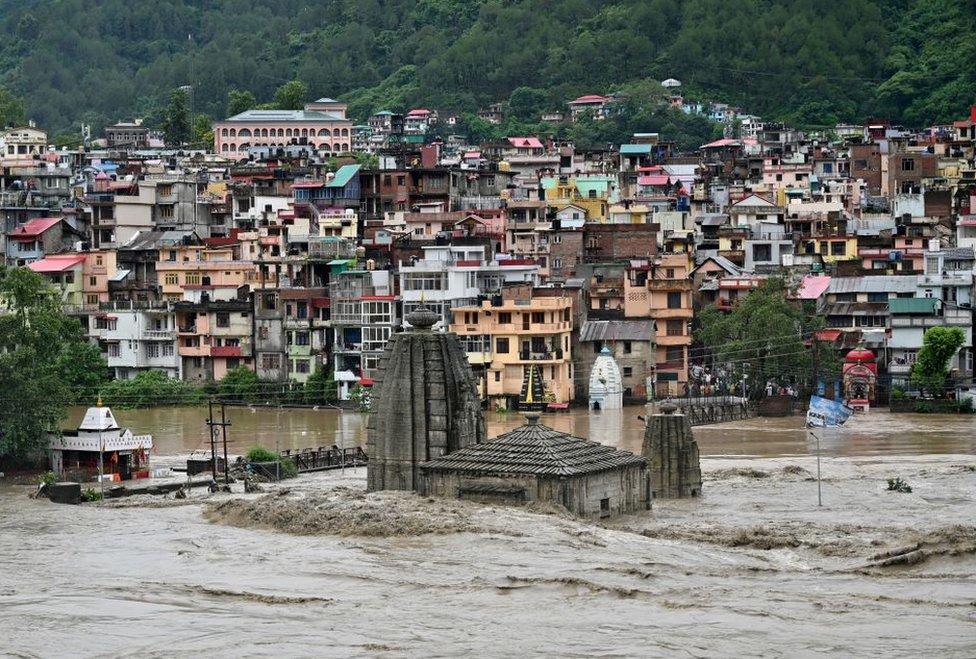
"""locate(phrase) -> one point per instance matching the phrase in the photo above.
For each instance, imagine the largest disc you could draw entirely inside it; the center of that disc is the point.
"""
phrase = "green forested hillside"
(807, 61)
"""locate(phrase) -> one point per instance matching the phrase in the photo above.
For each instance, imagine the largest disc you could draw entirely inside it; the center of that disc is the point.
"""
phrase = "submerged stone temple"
(425, 404)
(536, 463)
(672, 455)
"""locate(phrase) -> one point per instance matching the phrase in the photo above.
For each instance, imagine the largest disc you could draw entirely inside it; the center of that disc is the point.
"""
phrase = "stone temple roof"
(538, 450)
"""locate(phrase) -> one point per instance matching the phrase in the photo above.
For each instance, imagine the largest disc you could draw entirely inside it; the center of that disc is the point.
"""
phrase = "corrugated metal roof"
(617, 330)
(873, 284)
(856, 309)
(538, 450)
(925, 305)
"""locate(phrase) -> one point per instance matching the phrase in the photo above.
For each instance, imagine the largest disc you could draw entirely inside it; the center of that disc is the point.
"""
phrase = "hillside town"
(301, 242)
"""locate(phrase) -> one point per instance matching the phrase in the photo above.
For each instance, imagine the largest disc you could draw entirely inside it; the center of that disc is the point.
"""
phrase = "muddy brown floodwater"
(752, 568)
(182, 429)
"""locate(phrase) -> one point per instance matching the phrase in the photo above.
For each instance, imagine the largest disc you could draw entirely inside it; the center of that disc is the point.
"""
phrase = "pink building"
(322, 126)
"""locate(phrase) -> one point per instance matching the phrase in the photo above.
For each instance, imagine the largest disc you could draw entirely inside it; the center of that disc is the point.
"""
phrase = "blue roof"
(342, 176)
(635, 149)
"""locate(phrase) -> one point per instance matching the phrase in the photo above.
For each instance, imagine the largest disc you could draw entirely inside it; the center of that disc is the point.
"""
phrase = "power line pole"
(223, 426)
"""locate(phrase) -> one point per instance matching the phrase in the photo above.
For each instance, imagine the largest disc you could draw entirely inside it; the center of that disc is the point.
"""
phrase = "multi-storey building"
(520, 345)
(364, 315)
(660, 289)
(321, 126)
(135, 337)
(215, 336)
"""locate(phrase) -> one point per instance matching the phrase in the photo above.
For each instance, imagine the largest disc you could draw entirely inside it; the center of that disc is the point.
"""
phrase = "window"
(302, 339)
(113, 349)
(270, 362)
(676, 328)
(908, 165)
(192, 279)
(604, 507)
(171, 279)
(674, 300)
(557, 263)
(877, 297)
(223, 319)
(627, 347)
(505, 318)
(498, 376)
(425, 281)
(501, 345)
(263, 333)
(628, 371)
(763, 253)
(838, 248)
(675, 355)
(597, 347)
(98, 260)
(538, 317)
(92, 299)
(167, 350)
(152, 350)
(301, 366)
(166, 212)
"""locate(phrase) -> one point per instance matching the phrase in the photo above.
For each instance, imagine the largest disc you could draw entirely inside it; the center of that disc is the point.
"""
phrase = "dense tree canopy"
(45, 363)
(766, 336)
(939, 346)
(800, 60)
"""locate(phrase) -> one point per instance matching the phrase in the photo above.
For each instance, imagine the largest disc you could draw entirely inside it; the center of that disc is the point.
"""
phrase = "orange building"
(520, 346)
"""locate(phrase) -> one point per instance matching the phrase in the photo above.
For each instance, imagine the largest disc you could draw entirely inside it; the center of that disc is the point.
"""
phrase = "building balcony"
(226, 351)
(158, 335)
(532, 356)
(897, 368)
(674, 285)
(675, 365)
(300, 351)
(187, 330)
(673, 340)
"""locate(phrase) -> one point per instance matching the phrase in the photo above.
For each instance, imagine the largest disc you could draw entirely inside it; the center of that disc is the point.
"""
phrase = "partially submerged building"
(606, 387)
(122, 453)
(536, 463)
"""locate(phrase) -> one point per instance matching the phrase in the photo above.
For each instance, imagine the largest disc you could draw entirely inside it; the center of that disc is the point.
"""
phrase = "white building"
(606, 385)
(137, 336)
(122, 453)
(454, 276)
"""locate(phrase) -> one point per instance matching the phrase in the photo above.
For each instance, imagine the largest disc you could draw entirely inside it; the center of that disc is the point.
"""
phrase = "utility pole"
(223, 426)
(213, 452)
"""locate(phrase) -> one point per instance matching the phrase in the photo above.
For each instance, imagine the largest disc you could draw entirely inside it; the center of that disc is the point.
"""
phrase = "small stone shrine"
(425, 404)
(536, 463)
(672, 455)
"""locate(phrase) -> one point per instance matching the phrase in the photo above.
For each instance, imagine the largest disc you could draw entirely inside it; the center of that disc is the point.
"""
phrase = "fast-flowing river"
(183, 429)
(752, 568)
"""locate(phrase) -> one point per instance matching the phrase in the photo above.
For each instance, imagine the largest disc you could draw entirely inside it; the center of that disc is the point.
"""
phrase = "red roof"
(589, 98)
(33, 228)
(418, 112)
(57, 263)
(308, 184)
(813, 287)
(220, 241)
(658, 179)
(525, 142)
(718, 144)
(225, 351)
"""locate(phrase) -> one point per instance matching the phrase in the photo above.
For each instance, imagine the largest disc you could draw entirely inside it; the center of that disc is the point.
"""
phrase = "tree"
(176, 118)
(11, 109)
(203, 136)
(320, 388)
(291, 95)
(150, 388)
(240, 384)
(45, 363)
(931, 367)
(239, 101)
(527, 103)
(763, 337)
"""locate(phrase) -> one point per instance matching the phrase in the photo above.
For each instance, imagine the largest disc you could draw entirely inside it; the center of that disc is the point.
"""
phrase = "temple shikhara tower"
(425, 404)
(672, 455)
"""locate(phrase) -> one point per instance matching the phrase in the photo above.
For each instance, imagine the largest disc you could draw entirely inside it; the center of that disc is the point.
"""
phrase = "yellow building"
(593, 194)
(520, 346)
(832, 248)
